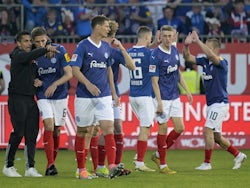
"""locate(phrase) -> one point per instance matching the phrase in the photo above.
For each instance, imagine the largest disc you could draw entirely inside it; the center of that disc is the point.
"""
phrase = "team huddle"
(155, 77)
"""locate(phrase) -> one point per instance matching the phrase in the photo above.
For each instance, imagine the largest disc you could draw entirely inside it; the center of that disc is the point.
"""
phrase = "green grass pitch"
(183, 161)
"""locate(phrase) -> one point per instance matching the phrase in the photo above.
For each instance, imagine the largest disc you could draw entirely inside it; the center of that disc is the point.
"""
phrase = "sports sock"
(171, 138)
(162, 148)
(48, 147)
(85, 158)
(208, 155)
(141, 150)
(94, 151)
(56, 145)
(231, 149)
(101, 155)
(110, 148)
(79, 151)
(119, 147)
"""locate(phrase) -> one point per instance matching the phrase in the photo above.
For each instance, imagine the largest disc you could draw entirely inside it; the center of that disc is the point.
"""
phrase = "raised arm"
(128, 60)
(209, 49)
(186, 52)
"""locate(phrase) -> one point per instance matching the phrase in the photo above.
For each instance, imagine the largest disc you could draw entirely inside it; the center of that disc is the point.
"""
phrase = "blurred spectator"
(112, 12)
(169, 19)
(196, 19)
(136, 16)
(214, 26)
(181, 10)
(7, 28)
(82, 15)
(239, 20)
(57, 6)
(35, 12)
(14, 12)
(68, 22)
(155, 7)
(52, 25)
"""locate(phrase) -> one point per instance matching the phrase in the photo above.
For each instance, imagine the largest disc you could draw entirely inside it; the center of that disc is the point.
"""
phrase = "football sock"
(79, 151)
(162, 148)
(171, 138)
(119, 147)
(231, 149)
(48, 147)
(101, 155)
(94, 151)
(110, 148)
(208, 155)
(141, 150)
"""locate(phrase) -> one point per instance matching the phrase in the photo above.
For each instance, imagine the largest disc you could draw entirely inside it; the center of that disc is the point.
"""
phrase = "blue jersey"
(140, 80)
(117, 59)
(165, 65)
(215, 80)
(50, 70)
(93, 61)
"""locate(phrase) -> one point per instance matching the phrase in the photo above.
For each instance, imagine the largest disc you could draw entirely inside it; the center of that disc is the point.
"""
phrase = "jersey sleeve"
(154, 65)
(77, 57)
(223, 63)
(65, 59)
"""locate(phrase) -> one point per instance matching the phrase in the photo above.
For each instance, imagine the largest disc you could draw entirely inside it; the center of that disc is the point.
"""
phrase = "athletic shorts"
(144, 110)
(171, 108)
(117, 111)
(216, 113)
(56, 109)
(89, 111)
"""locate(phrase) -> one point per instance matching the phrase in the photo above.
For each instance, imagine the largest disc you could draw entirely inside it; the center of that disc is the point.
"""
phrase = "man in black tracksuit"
(22, 106)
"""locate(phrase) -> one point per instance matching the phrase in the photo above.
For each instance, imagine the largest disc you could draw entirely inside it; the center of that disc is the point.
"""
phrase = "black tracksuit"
(22, 106)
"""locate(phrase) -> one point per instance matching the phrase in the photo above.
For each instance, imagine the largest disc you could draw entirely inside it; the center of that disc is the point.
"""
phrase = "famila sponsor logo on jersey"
(94, 64)
(206, 77)
(49, 70)
(172, 69)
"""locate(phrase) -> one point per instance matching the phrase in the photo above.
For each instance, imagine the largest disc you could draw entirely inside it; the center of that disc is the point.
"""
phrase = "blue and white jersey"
(93, 61)
(51, 69)
(117, 59)
(140, 80)
(165, 65)
(215, 80)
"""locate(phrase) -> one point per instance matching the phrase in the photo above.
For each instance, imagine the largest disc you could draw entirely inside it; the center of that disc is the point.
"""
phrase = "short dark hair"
(20, 34)
(98, 20)
(38, 31)
(142, 30)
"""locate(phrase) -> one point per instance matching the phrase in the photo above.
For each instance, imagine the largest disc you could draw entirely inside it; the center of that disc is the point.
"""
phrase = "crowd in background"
(208, 17)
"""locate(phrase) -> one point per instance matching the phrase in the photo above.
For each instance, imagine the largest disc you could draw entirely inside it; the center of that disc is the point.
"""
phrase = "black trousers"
(24, 116)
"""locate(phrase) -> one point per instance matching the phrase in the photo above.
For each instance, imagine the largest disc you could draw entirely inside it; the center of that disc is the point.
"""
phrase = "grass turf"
(183, 161)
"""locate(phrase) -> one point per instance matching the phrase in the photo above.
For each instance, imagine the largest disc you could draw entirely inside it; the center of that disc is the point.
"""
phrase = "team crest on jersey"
(106, 55)
(66, 55)
(74, 57)
(152, 68)
(53, 60)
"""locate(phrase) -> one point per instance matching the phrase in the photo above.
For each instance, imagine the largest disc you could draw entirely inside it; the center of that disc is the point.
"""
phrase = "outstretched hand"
(195, 36)
(189, 39)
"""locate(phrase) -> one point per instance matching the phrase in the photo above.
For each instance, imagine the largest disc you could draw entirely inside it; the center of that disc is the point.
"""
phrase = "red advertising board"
(236, 126)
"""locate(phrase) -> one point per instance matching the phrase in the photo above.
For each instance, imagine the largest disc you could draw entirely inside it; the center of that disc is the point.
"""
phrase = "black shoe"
(51, 171)
(125, 172)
